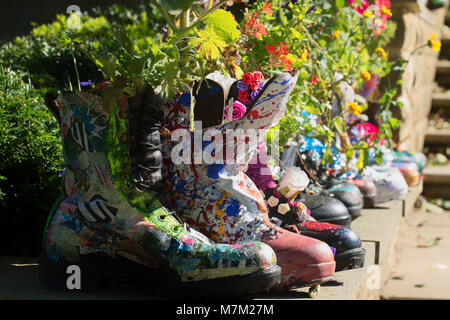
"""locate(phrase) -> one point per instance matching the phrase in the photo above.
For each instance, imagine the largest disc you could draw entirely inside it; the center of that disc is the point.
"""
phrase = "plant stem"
(167, 17)
(308, 35)
(76, 71)
(184, 20)
(180, 33)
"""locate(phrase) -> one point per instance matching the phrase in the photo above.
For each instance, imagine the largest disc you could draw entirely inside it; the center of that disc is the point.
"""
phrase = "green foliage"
(328, 42)
(42, 57)
(30, 147)
(30, 159)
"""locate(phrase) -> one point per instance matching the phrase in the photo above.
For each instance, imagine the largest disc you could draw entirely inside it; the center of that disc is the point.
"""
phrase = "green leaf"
(340, 3)
(310, 109)
(395, 123)
(224, 26)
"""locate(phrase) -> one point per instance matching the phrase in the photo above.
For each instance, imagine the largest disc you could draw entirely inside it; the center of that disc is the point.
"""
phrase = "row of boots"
(133, 209)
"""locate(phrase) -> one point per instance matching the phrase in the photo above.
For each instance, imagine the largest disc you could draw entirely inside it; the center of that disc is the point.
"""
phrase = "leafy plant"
(30, 160)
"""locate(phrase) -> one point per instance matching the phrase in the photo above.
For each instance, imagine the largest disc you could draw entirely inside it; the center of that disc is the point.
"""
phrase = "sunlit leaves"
(208, 44)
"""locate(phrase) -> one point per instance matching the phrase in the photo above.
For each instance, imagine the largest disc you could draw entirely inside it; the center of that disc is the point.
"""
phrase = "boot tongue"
(209, 103)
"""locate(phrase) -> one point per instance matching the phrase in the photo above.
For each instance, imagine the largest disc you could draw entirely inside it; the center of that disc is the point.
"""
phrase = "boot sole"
(314, 274)
(350, 259)
(396, 196)
(355, 211)
(101, 272)
(370, 200)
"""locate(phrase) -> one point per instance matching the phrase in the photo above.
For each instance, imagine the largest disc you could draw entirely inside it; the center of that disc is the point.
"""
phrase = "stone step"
(437, 175)
(437, 182)
(441, 100)
(423, 267)
(437, 136)
(443, 67)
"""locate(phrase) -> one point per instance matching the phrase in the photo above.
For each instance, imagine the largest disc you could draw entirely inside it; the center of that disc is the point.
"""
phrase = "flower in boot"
(366, 76)
(354, 108)
(266, 8)
(244, 97)
(362, 8)
(386, 11)
(367, 14)
(279, 56)
(238, 111)
(381, 53)
(383, 10)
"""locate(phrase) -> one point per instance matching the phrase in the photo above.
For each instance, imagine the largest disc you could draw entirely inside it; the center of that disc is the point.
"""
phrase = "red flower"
(314, 79)
(243, 96)
(258, 76)
(248, 78)
(252, 26)
(287, 63)
(266, 8)
(278, 56)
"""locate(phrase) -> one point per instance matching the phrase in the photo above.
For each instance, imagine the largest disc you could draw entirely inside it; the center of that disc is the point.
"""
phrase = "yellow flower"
(354, 108)
(304, 55)
(385, 10)
(367, 14)
(381, 53)
(434, 44)
(237, 70)
(432, 37)
(366, 76)
(337, 34)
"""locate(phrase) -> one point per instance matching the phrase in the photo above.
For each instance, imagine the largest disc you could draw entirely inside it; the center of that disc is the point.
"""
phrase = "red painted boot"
(304, 261)
(219, 199)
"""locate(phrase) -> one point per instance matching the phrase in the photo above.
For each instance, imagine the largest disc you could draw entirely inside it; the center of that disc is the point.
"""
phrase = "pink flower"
(384, 16)
(363, 7)
(238, 111)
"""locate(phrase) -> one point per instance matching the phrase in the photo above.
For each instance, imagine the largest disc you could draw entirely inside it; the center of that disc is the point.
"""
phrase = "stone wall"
(415, 23)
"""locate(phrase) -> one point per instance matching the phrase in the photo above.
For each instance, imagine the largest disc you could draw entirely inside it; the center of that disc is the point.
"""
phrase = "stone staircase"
(437, 178)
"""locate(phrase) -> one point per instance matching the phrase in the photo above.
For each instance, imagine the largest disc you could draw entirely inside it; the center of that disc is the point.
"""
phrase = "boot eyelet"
(176, 228)
(162, 217)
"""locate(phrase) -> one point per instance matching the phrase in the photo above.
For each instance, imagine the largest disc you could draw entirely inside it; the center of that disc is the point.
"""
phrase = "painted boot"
(218, 198)
(389, 182)
(295, 216)
(349, 194)
(367, 188)
(109, 221)
(324, 208)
